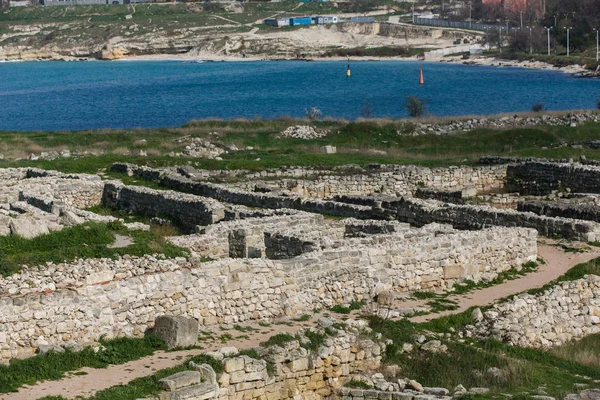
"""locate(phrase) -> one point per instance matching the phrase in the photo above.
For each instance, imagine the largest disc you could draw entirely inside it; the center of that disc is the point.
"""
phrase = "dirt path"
(557, 263)
(100, 379)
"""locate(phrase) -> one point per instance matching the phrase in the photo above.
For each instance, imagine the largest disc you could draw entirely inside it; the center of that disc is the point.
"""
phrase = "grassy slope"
(357, 142)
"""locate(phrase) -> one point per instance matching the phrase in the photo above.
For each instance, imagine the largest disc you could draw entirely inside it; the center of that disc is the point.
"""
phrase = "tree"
(313, 113)
(415, 106)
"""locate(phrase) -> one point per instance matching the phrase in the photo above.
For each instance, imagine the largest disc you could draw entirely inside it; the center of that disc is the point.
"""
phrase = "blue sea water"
(90, 95)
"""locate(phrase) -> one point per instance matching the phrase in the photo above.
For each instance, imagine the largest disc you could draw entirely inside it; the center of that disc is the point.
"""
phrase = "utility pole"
(530, 41)
(548, 29)
(470, 10)
(521, 12)
(597, 42)
(568, 30)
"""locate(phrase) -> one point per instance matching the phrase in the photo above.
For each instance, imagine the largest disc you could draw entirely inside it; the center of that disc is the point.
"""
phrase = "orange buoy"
(421, 80)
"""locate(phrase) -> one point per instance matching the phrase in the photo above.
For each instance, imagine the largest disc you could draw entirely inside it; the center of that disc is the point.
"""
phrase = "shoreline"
(575, 69)
(478, 60)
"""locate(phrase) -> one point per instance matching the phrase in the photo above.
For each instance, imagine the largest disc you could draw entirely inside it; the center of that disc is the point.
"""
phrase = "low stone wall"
(186, 210)
(214, 240)
(87, 299)
(301, 373)
(567, 311)
(540, 179)
(224, 193)
(315, 183)
(75, 190)
(565, 209)
(450, 196)
(420, 212)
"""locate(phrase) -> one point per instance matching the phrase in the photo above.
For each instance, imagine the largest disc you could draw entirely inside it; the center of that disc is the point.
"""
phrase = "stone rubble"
(304, 132)
(460, 126)
(567, 311)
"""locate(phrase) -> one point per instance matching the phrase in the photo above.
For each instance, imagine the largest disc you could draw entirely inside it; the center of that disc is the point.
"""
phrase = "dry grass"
(122, 151)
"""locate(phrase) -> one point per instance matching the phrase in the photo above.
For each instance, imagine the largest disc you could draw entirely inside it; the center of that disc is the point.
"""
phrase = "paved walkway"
(557, 263)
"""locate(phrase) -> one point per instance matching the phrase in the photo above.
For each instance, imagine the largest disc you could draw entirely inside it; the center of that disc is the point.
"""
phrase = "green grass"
(279, 339)
(354, 305)
(354, 141)
(53, 366)
(524, 370)
(89, 240)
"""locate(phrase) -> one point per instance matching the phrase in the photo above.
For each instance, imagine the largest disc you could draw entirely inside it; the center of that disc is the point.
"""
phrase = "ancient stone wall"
(566, 311)
(391, 180)
(301, 373)
(565, 209)
(420, 212)
(540, 179)
(75, 190)
(186, 210)
(316, 183)
(86, 299)
(213, 240)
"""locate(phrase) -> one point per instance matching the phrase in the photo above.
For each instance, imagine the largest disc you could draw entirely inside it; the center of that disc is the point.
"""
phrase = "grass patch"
(357, 384)
(216, 365)
(53, 366)
(302, 318)
(89, 240)
(354, 305)
(355, 142)
(469, 363)
(279, 340)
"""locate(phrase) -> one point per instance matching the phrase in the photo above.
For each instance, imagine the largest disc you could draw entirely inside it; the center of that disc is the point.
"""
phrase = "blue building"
(296, 21)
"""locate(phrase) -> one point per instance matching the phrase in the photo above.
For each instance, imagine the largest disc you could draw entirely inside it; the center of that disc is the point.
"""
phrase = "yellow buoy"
(348, 73)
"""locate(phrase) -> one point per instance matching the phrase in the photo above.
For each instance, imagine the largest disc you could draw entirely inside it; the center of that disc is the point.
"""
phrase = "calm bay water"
(90, 95)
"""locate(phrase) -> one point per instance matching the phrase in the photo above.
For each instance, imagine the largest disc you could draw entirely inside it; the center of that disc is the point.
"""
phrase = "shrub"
(216, 365)
(313, 114)
(415, 106)
(537, 107)
(366, 110)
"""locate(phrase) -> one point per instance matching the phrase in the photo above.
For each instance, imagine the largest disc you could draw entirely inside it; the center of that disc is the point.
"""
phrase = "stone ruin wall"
(316, 183)
(569, 310)
(87, 299)
(75, 190)
(399, 180)
(187, 210)
(421, 212)
(300, 373)
(542, 178)
(214, 240)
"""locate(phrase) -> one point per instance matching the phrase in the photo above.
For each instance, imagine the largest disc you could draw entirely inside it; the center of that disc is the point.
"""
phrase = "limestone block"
(176, 331)
(198, 392)
(234, 364)
(180, 380)
(28, 228)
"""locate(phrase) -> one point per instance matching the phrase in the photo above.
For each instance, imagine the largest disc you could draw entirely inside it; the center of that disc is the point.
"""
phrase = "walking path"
(557, 263)
(103, 378)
